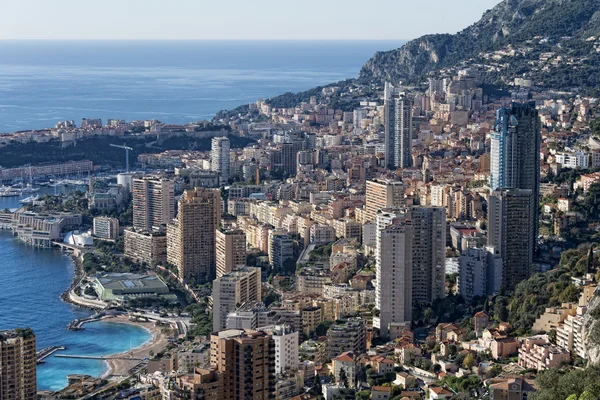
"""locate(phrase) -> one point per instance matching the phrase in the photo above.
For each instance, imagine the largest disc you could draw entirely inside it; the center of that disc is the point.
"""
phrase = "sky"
(236, 19)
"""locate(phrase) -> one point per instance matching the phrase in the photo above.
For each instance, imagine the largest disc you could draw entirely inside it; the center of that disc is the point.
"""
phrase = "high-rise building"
(429, 253)
(515, 149)
(512, 232)
(286, 347)
(515, 154)
(382, 194)
(106, 228)
(394, 264)
(246, 360)
(411, 250)
(347, 335)
(233, 289)
(398, 127)
(220, 157)
(281, 249)
(480, 272)
(231, 250)
(17, 365)
(153, 203)
(191, 236)
(148, 247)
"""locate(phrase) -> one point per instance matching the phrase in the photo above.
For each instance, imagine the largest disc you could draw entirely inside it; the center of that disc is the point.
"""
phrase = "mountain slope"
(512, 22)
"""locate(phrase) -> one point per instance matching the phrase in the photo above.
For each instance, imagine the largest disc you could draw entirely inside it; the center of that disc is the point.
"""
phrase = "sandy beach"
(155, 344)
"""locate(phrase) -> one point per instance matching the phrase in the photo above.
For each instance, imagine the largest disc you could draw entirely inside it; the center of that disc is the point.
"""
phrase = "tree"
(317, 387)
(363, 395)
(469, 361)
(428, 315)
(452, 349)
(343, 377)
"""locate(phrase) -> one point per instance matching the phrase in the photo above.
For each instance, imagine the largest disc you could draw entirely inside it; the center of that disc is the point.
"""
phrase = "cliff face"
(591, 330)
(512, 22)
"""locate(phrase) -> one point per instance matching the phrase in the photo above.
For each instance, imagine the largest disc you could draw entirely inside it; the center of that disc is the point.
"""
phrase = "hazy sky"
(235, 19)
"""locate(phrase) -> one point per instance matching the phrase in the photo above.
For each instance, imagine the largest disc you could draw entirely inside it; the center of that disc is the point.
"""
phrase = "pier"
(99, 357)
(77, 325)
(47, 352)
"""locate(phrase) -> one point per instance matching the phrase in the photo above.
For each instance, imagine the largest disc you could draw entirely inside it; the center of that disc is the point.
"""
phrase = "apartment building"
(231, 250)
(191, 237)
(17, 365)
(153, 203)
(148, 247)
(246, 359)
(538, 353)
(106, 228)
(233, 289)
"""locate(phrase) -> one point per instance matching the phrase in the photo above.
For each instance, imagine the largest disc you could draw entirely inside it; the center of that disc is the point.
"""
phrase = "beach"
(157, 343)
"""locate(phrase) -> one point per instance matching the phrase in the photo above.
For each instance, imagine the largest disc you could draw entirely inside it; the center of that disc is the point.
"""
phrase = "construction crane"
(126, 148)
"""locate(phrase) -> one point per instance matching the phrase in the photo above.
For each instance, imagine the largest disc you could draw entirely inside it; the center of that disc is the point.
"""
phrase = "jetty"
(47, 352)
(99, 357)
(77, 325)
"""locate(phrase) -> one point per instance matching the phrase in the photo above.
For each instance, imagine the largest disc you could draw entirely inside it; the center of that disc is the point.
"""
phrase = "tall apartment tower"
(233, 289)
(512, 232)
(515, 149)
(17, 365)
(191, 236)
(246, 360)
(153, 203)
(394, 269)
(515, 164)
(281, 249)
(382, 194)
(220, 157)
(231, 250)
(429, 253)
(398, 127)
(411, 249)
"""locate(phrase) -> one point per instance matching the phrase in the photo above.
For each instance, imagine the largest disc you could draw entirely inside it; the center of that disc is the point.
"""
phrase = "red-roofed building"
(481, 321)
(346, 362)
(381, 392)
(439, 393)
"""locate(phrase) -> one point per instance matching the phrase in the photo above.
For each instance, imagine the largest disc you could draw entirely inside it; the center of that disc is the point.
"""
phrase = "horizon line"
(193, 40)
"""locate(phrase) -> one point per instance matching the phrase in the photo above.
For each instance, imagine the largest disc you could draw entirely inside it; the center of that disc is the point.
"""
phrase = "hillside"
(98, 149)
(528, 28)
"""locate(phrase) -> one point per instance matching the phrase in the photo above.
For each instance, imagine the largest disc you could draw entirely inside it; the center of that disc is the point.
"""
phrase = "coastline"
(118, 368)
(155, 344)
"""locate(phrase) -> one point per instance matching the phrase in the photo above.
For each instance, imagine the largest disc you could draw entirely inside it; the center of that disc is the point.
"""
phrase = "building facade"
(148, 247)
(153, 203)
(246, 359)
(191, 237)
(220, 157)
(512, 231)
(17, 365)
(231, 250)
(242, 285)
(106, 228)
(398, 127)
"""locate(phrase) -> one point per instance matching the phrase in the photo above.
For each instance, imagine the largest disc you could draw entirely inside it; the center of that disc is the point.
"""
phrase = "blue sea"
(175, 82)
(30, 288)
(172, 81)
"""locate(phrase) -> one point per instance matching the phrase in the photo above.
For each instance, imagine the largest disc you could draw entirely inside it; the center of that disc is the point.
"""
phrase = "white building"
(394, 263)
(286, 347)
(220, 157)
(233, 289)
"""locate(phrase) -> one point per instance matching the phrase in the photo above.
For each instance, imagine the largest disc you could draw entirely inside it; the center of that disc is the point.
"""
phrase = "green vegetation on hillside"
(580, 384)
(98, 149)
(512, 22)
(542, 290)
